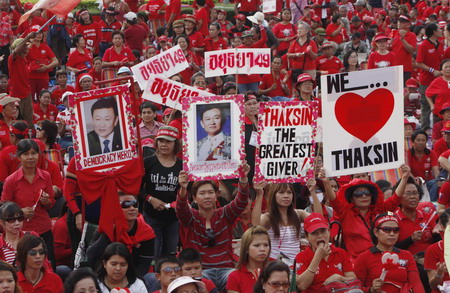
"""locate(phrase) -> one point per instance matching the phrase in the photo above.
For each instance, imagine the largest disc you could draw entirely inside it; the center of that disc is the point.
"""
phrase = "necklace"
(36, 281)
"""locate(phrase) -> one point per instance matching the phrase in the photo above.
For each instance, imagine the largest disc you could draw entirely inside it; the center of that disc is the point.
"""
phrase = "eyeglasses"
(34, 252)
(14, 219)
(170, 270)
(38, 128)
(211, 237)
(361, 193)
(128, 203)
(412, 193)
(285, 285)
(388, 230)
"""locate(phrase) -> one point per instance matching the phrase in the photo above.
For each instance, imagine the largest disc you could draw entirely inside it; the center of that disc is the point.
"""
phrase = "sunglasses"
(34, 252)
(38, 128)
(211, 237)
(285, 285)
(388, 230)
(361, 193)
(128, 203)
(170, 270)
(14, 219)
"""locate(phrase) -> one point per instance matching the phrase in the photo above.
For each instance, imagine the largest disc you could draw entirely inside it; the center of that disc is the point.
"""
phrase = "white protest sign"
(363, 121)
(166, 64)
(269, 6)
(286, 141)
(237, 61)
(170, 93)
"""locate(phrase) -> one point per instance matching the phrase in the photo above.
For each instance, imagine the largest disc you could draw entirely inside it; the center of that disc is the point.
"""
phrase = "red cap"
(35, 28)
(446, 127)
(167, 111)
(28, 6)
(412, 83)
(316, 18)
(148, 142)
(163, 38)
(190, 18)
(446, 106)
(380, 36)
(304, 77)
(382, 12)
(168, 133)
(240, 16)
(407, 122)
(404, 18)
(315, 221)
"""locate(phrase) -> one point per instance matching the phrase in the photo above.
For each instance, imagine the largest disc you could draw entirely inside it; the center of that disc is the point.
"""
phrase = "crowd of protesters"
(231, 235)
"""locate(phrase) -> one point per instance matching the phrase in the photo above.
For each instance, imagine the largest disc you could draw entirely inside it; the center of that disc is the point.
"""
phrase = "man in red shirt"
(276, 84)
(404, 44)
(135, 35)
(20, 84)
(429, 57)
(202, 17)
(327, 63)
(61, 88)
(107, 26)
(336, 31)
(443, 144)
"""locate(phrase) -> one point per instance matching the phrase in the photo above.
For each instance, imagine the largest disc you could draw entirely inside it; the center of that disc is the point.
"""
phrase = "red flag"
(59, 7)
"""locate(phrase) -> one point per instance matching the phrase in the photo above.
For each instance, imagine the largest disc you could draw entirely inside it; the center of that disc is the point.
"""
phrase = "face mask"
(319, 194)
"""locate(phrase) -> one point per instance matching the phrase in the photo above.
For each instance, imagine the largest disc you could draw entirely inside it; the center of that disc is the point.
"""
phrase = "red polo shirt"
(38, 54)
(80, 61)
(440, 146)
(408, 227)
(376, 60)
(330, 65)
(444, 194)
(403, 57)
(338, 263)
(419, 167)
(40, 115)
(125, 55)
(282, 31)
(135, 36)
(4, 135)
(340, 37)
(302, 62)
(19, 77)
(50, 283)
(433, 255)
(241, 280)
(368, 267)
(431, 55)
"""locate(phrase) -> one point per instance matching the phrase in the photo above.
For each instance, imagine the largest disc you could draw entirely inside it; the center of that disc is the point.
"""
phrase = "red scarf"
(143, 233)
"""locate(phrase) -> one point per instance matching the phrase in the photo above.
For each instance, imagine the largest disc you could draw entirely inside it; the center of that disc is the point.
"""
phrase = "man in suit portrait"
(216, 145)
(106, 136)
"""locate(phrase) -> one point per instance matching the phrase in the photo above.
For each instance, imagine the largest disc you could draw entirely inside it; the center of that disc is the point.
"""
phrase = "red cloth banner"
(59, 7)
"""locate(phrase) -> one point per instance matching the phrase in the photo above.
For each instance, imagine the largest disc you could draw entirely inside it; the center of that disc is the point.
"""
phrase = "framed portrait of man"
(213, 132)
(103, 134)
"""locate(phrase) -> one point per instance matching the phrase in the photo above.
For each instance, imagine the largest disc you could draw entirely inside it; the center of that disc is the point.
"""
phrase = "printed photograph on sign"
(286, 141)
(214, 139)
(362, 121)
(104, 136)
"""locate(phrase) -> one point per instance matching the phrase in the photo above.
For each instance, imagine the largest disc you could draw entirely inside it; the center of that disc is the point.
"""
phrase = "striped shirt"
(193, 230)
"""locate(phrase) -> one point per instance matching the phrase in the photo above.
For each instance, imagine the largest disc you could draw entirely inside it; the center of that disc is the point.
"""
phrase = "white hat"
(178, 282)
(130, 16)
(65, 95)
(258, 16)
(124, 69)
(70, 15)
(5, 99)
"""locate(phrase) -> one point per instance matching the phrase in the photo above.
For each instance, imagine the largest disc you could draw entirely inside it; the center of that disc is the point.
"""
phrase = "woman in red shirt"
(284, 31)
(382, 57)
(79, 60)
(118, 55)
(9, 113)
(302, 52)
(215, 41)
(31, 188)
(8, 155)
(438, 93)
(42, 60)
(368, 266)
(254, 253)
(194, 66)
(90, 30)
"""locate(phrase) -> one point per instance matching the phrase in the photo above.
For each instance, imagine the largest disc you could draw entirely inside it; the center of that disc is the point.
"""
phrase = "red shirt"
(267, 80)
(107, 29)
(433, 255)
(331, 65)
(153, 6)
(50, 283)
(439, 147)
(403, 57)
(61, 240)
(26, 194)
(282, 31)
(40, 115)
(8, 161)
(437, 130)
(439, 91)
(431, 55)
(187, 73)
(338, 263)
(408, 227)
(211, 45)
(202, 14)
(40, 54)
(80, 61)
(19, 77)
(303, 62)
(444, 194)
(196, 40)
(91, 33)
(124, 56)
(376, 60)
(420, 167)
(248, 6)
(174, 7)
(4, 135)
(368, 267)
(58, 92)
(340, 37)
(241, 280)
(135, 36)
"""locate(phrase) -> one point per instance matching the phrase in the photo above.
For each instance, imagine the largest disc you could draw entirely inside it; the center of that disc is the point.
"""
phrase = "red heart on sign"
(364, 117)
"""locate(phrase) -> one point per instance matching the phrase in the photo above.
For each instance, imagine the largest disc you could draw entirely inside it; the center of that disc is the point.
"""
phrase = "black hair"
(356, 18)
(372, 225)
(413, 138)
(10, 209)
(147, 105)
(217, 27)
(96, 58)
(132, 22)
(165, 259)
(78, 275)
(197, 74)
(410, 181)
(273, 266)
(430, 29)
(417, 29)
(25, 145)
(189, 255)
(383, 184)
(119, 249)
(2, 76)
(201, 2)
(286, 9)
(108, 102)
(346, 57)
(60, 72)
(76, 38)
(447, 27)
(373, 190)
(80, 20)
(21, 126)
(444, 218)
(51, 131)
(443, 62)
(4, 266)
(181, 36)
(117, 32)
(142, 15)
(335, 17)
(227, 86)
(44, 92)
(26, 243)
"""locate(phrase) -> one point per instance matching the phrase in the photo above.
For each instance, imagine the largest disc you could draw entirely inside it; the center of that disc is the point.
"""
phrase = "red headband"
(166, 132)
(16, 131)
(385, 219)
(251, 97)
